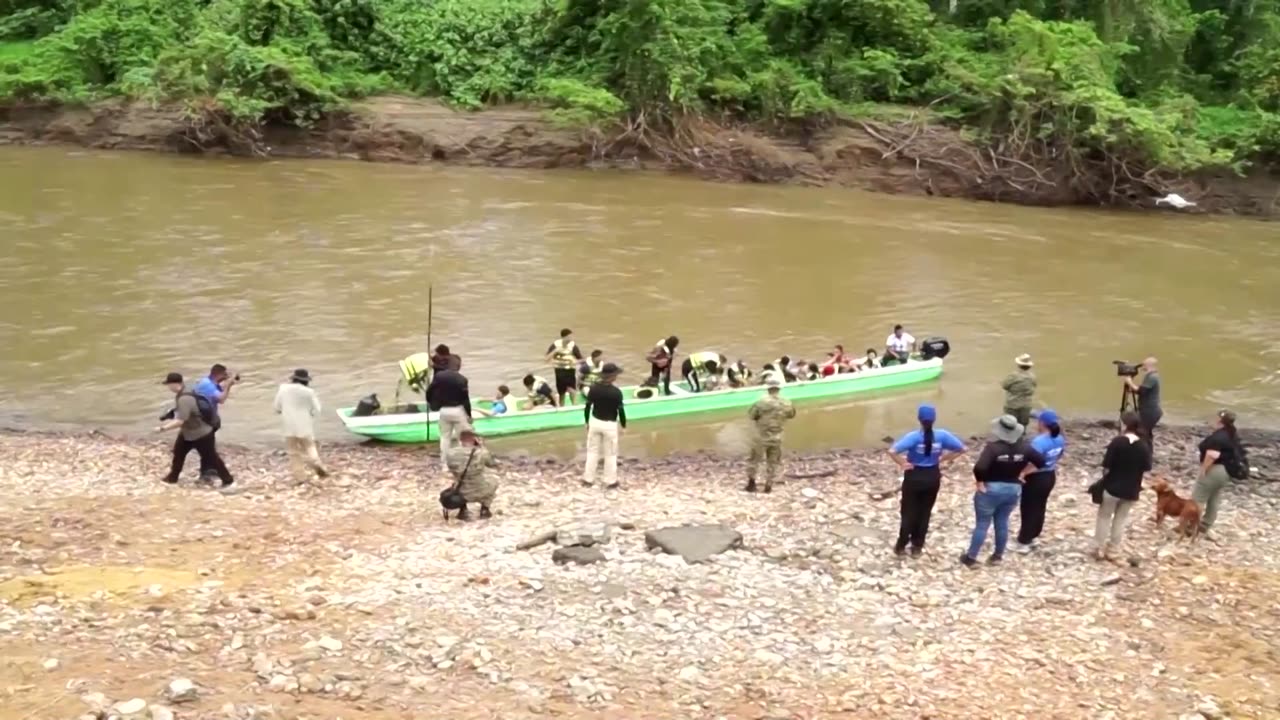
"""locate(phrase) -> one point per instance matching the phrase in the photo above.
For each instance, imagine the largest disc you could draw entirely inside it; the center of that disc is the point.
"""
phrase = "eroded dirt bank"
(904, 159)
(121, 597)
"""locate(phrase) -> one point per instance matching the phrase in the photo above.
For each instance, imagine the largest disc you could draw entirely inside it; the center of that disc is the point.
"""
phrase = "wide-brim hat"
(301, 375)
(1024, 360)
(1007, 428)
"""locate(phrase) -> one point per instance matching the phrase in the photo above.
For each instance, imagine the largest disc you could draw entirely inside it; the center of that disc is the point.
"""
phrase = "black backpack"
(1237, 463)
(208, 411)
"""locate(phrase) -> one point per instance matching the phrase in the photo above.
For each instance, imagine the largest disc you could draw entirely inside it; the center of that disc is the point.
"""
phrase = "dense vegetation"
(1178, 85)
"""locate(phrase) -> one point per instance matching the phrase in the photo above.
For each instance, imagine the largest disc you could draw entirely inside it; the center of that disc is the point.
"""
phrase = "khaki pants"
(602, 443)
(304, 459)
(1113, 519)
(450, 420)
(1208, 494)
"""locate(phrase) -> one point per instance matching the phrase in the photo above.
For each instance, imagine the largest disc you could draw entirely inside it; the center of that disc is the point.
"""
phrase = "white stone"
(330, 644)
(130, 707)
(181, 690)
(768, 657)
(51, 664)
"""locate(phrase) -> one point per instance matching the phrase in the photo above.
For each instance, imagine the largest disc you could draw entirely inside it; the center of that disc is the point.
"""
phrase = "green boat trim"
(416, 426)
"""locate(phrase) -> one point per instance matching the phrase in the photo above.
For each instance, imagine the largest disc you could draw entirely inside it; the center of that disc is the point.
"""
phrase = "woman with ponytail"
(921, 454)
(1221, 458)
(1038, 483)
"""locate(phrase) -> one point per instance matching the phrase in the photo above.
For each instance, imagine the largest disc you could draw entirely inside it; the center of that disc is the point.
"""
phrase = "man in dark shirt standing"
(448, 394)
(605, 419)
(1149, 410)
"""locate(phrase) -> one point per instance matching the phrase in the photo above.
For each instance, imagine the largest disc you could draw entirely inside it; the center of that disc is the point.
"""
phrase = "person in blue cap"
(1038, 484)
(921, 454)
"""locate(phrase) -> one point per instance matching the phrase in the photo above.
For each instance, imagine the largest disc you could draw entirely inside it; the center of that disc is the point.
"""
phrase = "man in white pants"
(449, 396)
(605, 418)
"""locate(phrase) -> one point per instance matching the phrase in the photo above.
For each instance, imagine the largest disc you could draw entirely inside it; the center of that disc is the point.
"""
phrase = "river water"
(120, 267)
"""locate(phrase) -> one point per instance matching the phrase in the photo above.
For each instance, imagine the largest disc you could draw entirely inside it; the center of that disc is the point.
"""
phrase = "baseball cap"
(172, 378)
(927, 413)
(1048, 417)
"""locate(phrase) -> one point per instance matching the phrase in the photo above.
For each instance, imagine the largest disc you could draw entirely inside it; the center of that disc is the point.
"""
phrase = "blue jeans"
(994, 505)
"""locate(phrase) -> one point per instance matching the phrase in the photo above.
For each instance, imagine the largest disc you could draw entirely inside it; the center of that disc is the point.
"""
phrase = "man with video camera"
(1147, 393)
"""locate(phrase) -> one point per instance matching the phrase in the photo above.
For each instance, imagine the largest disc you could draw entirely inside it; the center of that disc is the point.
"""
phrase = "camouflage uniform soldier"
(473, 458)
(769, 414)
(1019, 389)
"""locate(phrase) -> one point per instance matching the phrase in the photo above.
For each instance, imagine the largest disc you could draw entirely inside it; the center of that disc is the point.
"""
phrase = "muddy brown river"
(119, 267)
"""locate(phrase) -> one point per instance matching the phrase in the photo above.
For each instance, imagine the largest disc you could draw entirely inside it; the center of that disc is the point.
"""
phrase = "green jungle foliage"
(1175, 84)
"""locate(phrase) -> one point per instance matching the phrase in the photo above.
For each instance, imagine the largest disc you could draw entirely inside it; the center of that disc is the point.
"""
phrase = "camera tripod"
(1128, 399)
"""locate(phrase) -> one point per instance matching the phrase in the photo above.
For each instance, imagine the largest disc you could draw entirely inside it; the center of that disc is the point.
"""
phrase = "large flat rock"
(694, 543)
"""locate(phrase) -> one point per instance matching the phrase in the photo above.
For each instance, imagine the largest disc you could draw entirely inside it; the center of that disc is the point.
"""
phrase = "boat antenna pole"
(426, 408)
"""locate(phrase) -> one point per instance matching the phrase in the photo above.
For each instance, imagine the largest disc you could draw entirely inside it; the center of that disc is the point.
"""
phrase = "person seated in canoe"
(867, 362)
(812, 372)
(715, 381)
(898, 346)
(701, 365)
(769, 372)
(501, 405)
(590, 371)
(541, 393)
(784, 365)
(738, 374)
(837, 362)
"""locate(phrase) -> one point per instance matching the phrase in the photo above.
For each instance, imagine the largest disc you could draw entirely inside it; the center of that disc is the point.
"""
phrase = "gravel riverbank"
(355, 599)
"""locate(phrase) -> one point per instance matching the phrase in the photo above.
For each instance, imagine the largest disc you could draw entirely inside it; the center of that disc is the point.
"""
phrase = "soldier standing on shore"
(769, 414)
(1019, 390)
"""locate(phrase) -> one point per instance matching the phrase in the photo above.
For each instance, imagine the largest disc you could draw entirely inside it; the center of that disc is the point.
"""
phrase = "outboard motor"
(367, 406)
(934, 347)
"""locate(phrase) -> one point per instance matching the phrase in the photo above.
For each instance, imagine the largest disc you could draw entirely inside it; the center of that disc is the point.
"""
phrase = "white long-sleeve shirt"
(298, 406)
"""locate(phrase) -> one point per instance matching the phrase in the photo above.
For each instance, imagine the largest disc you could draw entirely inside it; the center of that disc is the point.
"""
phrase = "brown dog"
(1169, 504)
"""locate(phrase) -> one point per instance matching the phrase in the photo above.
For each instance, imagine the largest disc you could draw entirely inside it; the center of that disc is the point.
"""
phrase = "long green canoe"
(413, 425)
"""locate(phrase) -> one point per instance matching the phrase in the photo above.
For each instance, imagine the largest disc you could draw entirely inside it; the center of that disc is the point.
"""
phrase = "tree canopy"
(1176, 84)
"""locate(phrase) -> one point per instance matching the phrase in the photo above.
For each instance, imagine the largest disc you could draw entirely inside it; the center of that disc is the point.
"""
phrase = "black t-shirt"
(1002, 461)
(1221, 441)
(1125, 462)
(604, 402)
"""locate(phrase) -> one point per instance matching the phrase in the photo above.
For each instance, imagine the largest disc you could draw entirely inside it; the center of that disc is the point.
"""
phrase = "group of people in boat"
(711, 370)
(574, 372)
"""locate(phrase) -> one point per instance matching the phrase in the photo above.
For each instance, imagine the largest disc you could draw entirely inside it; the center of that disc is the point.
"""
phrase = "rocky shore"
(121, 597)
(865, 155)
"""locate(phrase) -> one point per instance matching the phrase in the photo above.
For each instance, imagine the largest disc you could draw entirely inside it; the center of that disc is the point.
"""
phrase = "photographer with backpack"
(1222, 459)
(195, 416)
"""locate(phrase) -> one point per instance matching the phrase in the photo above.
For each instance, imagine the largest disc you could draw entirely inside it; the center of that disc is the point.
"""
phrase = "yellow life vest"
(562, 354)
(415, 369)
(699, 360)
(593, 373)
(768, 374)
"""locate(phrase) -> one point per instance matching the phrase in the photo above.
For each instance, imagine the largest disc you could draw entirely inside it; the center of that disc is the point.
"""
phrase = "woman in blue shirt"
(1039, 483)
(921, 454)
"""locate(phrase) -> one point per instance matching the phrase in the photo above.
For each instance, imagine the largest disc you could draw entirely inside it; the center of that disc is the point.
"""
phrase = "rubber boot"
(751, 485)
(464, 514)
(768, 486)
(485, 513)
